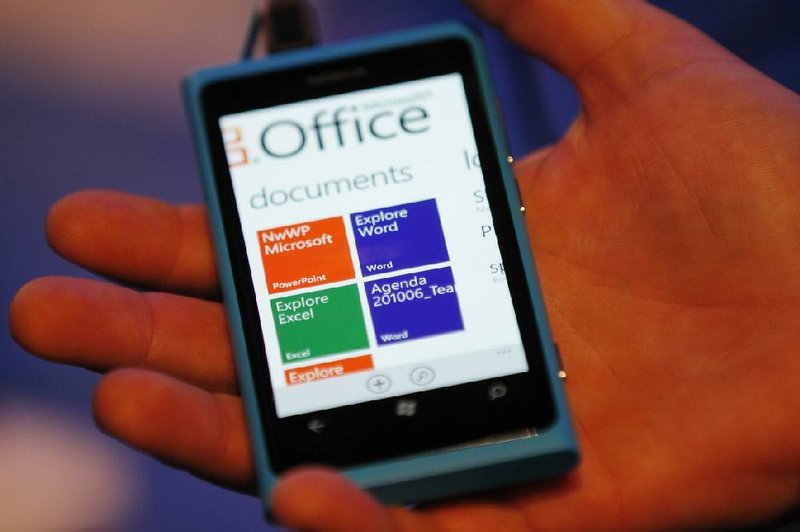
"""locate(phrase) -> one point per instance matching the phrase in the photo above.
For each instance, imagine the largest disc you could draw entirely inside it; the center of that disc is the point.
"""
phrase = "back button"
(316, 425)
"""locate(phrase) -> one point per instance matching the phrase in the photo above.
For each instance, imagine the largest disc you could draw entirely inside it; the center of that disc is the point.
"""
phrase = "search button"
(422, 376)
(497, 390)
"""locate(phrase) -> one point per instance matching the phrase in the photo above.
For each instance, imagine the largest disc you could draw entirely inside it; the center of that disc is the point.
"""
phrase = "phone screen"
(372, 251)
(385, 303)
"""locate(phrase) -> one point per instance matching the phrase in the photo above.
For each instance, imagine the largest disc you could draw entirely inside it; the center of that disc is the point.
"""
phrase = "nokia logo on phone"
(286, 138)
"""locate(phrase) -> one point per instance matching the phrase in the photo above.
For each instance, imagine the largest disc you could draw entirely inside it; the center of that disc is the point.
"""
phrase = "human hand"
(665, 226)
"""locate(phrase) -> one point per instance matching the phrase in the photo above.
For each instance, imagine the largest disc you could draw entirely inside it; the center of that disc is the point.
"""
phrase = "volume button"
(502, 119)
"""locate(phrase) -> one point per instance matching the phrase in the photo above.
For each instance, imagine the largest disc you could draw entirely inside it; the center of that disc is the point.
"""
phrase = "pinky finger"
(183, 425)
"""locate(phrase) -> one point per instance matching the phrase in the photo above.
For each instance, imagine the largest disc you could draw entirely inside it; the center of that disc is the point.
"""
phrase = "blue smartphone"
(382, 299)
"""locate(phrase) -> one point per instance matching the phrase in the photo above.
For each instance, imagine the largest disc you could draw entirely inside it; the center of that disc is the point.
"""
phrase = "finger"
(135, 239)
(102, 326)
(178, 423)
(607, 47)
(316, 498)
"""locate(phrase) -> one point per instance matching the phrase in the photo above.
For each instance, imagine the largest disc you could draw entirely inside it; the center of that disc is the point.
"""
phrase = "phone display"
(374, 262)
(384, 310)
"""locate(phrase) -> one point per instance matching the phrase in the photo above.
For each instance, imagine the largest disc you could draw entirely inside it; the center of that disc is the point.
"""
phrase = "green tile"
(319, 323)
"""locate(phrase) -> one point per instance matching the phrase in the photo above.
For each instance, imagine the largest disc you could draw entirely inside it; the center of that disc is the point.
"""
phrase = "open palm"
(666, 227)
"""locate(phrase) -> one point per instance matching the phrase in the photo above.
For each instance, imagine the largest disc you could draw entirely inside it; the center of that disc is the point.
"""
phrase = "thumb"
(315, 498)
(607, 47)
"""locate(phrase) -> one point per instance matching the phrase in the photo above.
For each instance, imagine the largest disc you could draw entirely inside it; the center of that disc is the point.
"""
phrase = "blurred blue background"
(89, 98)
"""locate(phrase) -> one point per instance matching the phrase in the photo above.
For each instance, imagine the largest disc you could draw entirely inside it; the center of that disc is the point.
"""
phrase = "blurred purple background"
(89, 98)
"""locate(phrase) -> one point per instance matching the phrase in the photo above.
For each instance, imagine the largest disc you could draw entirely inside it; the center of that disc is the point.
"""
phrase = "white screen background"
(490, 343)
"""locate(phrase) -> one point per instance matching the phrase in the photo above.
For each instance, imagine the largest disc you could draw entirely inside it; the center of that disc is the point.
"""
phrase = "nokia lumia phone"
(383, 304)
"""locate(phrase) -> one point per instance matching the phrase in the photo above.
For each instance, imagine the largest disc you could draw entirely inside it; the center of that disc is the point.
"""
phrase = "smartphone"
(382, 300)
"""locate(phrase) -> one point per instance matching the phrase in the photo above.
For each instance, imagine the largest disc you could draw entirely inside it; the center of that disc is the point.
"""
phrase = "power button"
(562, 374)
(519, 195)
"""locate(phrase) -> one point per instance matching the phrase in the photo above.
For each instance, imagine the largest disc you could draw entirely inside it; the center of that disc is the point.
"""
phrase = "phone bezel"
(530, 404)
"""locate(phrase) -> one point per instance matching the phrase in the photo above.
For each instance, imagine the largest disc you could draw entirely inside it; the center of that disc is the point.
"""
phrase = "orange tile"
(304, 255)
(327, 370)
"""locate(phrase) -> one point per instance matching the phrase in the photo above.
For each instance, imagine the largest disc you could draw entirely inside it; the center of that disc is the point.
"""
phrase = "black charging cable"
(285, 25)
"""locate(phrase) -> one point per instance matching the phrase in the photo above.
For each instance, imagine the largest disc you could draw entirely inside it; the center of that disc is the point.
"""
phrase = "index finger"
(607, 47)
(135, 239)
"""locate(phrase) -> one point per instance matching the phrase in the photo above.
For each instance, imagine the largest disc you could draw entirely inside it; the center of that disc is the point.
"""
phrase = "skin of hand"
(666, 227)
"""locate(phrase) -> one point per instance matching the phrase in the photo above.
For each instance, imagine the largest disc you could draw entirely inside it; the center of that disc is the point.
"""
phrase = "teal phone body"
(382, 299)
